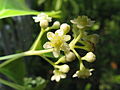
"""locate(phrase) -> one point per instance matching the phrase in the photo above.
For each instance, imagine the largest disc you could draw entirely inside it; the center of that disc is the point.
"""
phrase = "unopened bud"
(44, 24)
(65, 27)
(56, 25)
(64, 68)
(90, 57)
(70, 57)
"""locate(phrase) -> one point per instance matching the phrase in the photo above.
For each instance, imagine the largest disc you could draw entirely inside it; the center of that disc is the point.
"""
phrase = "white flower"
(64, 68)
(42, 16)
(58, 75)
(82, 22)
(57, 42)
(84, 73)
(90, 57)
(43, 19)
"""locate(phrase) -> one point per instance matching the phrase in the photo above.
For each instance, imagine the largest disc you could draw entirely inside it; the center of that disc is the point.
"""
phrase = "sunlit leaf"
(9, 8)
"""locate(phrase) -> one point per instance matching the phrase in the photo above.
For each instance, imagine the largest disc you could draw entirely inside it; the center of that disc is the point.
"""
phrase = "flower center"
(57, 41)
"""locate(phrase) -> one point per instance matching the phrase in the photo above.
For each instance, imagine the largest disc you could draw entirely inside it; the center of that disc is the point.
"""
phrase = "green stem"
(81, 65)
(27, 53)
(82, 47)
(78, 56)
(37, 41)
(37, 52)
(12, 56)
(75, 40)
(78, 38)
(48, 60)
(13, 85)
(82, 42)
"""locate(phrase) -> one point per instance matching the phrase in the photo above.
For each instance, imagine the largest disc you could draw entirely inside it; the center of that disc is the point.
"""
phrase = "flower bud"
(65, 27)
(56, 25)
(44, 24)
(90, 57)
(64, 68)
(70, 57)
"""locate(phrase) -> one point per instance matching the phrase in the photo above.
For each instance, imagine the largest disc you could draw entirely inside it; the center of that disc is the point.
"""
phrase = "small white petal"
(50, 35)
(91, 70)
(47, 45)
(59, 32)
(73, 21)
(67, 37)
(81, 27)
(36, 19)
(57, 78)
(63, 76)
(75, 75)
(52, 78)
(56, 53)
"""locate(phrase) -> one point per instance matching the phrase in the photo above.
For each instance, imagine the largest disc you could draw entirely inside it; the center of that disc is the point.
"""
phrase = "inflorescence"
(58, 41)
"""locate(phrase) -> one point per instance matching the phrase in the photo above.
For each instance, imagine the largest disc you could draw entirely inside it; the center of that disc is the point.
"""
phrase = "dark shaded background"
(18, 33)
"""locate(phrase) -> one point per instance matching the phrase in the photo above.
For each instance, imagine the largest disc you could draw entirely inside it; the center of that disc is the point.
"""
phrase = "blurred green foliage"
(18, 33)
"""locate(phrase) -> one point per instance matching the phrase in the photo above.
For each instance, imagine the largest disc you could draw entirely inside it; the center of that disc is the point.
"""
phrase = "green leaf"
(15, 71)
(10, 13)
(9, 8)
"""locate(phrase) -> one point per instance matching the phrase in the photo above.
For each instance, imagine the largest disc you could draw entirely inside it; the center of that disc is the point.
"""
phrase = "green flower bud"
(65, 27)
(90, 57)
(56, 25)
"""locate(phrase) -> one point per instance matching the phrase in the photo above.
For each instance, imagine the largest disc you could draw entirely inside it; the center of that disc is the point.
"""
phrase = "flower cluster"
(58, 42)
